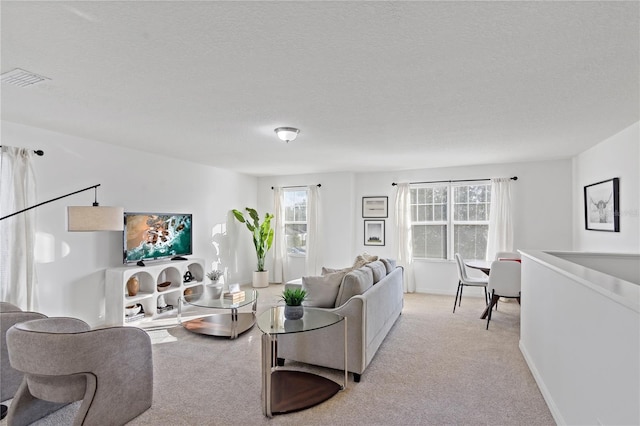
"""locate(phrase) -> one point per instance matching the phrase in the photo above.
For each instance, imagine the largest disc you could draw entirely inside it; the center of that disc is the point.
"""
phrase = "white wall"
(71, 272)
(537, 225)
(580, 336)
(617, 156)
(338, 209)
(547, 203)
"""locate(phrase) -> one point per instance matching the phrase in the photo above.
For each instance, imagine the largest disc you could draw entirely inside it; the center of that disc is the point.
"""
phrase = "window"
(295, 221)
(429, 221)
(448, 219)
(471, 220)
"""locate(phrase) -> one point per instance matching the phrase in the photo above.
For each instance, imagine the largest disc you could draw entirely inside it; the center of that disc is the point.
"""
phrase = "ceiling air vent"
(21, 78)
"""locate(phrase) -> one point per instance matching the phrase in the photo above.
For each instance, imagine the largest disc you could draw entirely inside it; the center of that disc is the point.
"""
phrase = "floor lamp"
(82, 219)
(86, 218)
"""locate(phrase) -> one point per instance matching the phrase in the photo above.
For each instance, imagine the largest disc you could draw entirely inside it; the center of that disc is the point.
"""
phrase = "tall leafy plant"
(262, 232)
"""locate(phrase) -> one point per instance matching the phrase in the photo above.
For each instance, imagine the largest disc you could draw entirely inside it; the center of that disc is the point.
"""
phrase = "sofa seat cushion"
(355, 282)
(322, 290)
(378, 269)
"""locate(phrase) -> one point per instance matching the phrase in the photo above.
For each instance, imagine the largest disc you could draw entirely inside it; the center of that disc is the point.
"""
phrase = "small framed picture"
(374, 232)
(375, 206)
(602, 206)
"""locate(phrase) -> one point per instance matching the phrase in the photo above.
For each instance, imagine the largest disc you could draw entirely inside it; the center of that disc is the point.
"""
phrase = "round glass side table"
(289, 390)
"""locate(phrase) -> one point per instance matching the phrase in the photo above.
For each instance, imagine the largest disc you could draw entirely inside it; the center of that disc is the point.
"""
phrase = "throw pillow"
(378, 269)
(322, 290)
(390, 264)
(369, 257)
(363, 259)
(326, 270)
(355, 282)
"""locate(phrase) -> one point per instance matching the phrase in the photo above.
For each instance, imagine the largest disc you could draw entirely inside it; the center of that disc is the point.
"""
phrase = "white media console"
(148, 295)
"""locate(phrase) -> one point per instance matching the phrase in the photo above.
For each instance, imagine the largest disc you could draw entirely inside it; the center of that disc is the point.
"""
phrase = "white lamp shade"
(94, 218)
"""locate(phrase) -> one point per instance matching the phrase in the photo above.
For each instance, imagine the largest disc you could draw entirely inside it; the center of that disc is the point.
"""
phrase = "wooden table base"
(221, 324)
(297, 390)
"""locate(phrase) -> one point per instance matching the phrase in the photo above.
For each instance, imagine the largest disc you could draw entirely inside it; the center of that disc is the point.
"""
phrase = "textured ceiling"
(372, 85)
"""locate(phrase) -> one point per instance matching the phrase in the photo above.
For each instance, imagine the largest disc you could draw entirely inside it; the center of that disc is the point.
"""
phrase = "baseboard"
(553, 408)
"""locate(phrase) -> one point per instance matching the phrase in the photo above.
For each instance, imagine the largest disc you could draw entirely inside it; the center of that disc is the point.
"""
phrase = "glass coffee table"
(284, 391)
(225, 319)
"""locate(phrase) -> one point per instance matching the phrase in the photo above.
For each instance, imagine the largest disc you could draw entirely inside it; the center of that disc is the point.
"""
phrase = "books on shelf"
(135, 317)
(165, 309)
(235, 297)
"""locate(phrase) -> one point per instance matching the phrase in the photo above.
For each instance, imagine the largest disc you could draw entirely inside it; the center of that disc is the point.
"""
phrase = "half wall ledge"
(580, 334)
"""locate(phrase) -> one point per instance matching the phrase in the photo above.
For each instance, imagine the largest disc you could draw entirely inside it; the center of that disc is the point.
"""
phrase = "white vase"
(261, 278)
(214, 289)
(161, 302)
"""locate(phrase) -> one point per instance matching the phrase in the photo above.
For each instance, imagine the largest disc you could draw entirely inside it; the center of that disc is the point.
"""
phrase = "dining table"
(482, 265)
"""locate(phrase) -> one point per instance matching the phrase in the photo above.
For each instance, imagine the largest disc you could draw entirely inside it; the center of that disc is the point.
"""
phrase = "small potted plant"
(293, 298)
(214, 288)
(214, 275)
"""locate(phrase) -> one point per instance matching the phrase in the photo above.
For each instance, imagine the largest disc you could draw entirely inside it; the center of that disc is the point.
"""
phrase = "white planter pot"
(214, 290)
(261, 278)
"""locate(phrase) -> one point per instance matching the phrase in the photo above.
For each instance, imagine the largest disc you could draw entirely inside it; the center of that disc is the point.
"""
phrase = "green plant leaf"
(262, 234)
(238, 214)
(294, 296)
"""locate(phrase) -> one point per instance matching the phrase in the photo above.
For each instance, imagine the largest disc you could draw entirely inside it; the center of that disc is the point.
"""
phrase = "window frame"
(433, 222)
(295, 222)
(451, 222)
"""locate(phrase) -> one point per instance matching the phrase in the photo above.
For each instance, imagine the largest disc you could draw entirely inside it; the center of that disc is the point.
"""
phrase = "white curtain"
(17, 233)
(279, 240)
(314, 233)
(403, 231)
(500, 236)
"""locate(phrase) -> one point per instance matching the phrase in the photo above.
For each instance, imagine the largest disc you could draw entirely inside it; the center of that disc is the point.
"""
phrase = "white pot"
(261, 278)
(214, 290)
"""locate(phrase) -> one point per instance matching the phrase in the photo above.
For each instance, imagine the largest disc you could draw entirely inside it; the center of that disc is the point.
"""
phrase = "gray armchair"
(63, 360)
(10, 378)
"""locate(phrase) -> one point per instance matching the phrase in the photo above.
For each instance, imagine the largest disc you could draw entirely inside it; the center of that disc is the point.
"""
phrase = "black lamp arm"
(54, 199)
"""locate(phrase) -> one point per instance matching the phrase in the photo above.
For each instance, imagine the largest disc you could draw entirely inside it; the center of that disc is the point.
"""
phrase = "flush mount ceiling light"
(287, 134)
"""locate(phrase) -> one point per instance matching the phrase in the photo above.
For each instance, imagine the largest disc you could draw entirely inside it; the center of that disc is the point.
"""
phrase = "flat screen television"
(155, 236)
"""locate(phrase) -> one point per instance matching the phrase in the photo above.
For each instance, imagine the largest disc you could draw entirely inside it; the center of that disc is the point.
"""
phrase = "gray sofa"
(371, 297)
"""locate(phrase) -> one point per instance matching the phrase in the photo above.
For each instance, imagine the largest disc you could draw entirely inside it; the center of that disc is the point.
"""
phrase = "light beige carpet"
(434, 368)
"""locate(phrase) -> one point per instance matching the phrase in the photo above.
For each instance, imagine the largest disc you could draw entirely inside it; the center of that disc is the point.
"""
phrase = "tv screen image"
(153, 236)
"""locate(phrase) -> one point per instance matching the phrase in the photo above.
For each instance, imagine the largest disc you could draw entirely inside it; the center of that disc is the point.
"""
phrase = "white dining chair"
(504, 281)
(465, 280)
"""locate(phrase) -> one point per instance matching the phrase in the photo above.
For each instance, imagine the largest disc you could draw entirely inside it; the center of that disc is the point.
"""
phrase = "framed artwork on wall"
(375, 206)
(602, 206)
(374, 232)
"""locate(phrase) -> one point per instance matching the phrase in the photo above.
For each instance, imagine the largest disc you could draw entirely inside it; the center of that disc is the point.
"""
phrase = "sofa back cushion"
(378, 269)
(390, 264)
(322, 290)
(355, 282)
